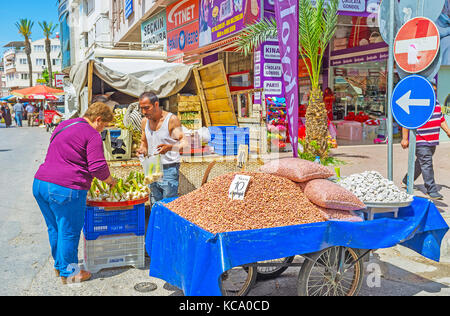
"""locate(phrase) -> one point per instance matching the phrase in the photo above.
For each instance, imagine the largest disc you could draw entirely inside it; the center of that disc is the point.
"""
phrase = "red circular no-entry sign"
(416, 45)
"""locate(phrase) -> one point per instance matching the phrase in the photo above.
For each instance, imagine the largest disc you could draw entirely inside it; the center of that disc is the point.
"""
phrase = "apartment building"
(85, 25)
(16, 63)
(4, 92)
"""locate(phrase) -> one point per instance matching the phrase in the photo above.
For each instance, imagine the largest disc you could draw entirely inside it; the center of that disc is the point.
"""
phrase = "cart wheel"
(238, 281)
(267, 273)
(331, 272)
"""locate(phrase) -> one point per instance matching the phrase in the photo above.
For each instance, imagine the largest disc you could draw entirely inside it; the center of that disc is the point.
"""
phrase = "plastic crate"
(99, 222)
(113, 252)
(227, 132)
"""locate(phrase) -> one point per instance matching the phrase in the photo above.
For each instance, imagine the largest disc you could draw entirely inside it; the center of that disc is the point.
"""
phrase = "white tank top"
(162, 136)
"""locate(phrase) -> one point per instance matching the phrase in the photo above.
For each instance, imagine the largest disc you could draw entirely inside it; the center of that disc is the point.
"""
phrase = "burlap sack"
(330, 195)
(297, 170)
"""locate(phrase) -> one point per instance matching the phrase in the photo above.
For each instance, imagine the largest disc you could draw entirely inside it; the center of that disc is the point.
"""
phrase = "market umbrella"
(40, 92)
(4, 99)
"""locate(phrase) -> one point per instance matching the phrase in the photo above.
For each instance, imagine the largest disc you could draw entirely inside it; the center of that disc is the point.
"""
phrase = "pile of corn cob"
(133, 188)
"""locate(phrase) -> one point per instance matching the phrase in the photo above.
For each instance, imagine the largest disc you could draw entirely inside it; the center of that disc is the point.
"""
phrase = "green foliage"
(328, 161)
(48, 28)
(24, 27)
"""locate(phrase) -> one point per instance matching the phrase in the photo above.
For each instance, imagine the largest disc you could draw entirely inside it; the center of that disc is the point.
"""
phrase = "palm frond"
(255, 34)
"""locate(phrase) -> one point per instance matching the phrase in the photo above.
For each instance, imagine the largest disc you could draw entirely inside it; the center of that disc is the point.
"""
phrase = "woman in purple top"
(75, 156)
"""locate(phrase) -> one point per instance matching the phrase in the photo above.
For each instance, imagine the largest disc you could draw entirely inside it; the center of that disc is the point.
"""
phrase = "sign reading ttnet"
(416, 45)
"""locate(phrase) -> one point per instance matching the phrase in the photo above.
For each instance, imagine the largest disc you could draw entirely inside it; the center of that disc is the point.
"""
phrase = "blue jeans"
(63, 210)
(19, 118)
(167, 187)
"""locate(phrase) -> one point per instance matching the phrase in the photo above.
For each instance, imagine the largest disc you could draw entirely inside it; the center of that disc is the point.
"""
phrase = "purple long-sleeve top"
(74, 157)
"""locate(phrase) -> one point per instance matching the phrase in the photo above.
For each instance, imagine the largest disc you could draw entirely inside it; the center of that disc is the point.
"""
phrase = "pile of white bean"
(371, 186)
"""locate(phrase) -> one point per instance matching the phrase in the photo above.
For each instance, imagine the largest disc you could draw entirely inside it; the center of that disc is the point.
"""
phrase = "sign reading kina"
(416, 45)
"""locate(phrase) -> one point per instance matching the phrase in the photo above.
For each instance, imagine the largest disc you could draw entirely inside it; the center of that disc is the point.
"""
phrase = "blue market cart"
(202, 263)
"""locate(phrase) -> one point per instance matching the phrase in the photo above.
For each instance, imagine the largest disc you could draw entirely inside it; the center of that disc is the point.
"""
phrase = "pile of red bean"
(270, 201)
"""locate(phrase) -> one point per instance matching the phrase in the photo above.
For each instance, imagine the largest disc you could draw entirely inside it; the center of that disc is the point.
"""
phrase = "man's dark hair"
(99, 98)
(153, 98)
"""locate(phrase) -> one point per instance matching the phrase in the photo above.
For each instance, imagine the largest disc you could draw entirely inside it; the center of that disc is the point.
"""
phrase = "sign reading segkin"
(154, 31)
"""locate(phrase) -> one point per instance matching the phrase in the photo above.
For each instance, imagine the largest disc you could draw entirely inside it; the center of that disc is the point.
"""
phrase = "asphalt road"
(26, 267)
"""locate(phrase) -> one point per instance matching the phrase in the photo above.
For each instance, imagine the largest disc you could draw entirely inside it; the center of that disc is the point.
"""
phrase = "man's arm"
(143, 150)
(176, 132)
(405, 138)
(444, 126)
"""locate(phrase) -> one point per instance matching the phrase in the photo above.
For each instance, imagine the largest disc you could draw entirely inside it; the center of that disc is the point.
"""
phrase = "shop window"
(354, 31)
(446, 106)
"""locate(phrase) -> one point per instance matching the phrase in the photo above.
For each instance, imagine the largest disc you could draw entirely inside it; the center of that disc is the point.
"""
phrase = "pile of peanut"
(270, 201)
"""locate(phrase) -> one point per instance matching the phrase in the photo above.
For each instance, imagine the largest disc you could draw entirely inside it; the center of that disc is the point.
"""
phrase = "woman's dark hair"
(153, 98)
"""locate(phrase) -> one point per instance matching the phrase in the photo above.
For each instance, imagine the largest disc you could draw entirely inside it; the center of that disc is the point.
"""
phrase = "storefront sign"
(286, 14)
(273, 88)
(271, 52)
(182, 39)
(154, 31)
(273, 70)
(181, 13)
(360, 59)
(222, 18)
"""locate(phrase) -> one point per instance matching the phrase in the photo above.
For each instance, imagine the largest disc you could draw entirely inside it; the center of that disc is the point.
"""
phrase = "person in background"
(6, 114)
(41, 115)
(427, 138)
(161, 134)
(74, 157)
(18, 110)
(30, 114)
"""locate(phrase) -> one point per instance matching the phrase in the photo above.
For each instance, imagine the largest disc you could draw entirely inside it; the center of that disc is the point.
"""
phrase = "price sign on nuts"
(238, 187)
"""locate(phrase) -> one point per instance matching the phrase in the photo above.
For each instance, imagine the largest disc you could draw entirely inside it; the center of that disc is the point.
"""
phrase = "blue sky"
(36, 10)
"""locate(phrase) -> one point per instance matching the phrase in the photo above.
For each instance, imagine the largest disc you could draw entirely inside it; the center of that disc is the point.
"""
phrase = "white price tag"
(238, 187)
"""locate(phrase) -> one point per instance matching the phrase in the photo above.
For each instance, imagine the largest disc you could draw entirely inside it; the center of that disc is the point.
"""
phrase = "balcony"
(10, 54)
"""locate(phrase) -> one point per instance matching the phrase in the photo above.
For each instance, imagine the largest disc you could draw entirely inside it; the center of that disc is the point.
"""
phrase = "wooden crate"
(214, 92)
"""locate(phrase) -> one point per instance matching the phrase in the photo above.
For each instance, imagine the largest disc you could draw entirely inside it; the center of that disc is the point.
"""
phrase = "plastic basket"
(114, 251)
(227, 132)
(99, 221)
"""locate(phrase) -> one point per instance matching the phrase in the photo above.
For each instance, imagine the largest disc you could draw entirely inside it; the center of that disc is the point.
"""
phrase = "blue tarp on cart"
(193, 259)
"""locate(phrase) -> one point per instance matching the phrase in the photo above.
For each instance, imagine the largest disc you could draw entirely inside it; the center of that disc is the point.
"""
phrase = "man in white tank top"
(161, 134)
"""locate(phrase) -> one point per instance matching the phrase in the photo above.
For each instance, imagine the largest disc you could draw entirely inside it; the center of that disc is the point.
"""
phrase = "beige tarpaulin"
(134, 76)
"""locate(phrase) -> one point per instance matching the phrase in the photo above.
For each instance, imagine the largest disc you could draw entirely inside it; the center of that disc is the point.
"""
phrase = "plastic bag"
(153, 170)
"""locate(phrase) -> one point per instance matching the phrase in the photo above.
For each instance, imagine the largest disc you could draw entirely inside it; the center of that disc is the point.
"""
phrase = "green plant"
(24, 27)
(48, 29)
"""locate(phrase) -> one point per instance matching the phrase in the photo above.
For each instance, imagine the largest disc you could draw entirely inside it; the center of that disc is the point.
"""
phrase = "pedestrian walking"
(6, 115)
(161, 134)
(30, 114)
(427, 139)
(41, 115)
(18, 110)
(74, 157)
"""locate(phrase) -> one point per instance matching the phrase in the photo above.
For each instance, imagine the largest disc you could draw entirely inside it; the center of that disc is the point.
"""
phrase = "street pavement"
(26, 267)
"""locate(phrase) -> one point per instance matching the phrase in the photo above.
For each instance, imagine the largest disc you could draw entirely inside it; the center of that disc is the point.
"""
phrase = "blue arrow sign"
(413, 102)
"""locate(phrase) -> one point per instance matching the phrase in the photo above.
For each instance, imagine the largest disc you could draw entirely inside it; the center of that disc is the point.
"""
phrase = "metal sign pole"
(390, 120)
(411, 161)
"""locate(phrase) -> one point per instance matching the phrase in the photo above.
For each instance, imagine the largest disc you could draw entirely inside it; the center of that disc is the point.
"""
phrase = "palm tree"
(24, 26)
(48, 29)
(317, 25)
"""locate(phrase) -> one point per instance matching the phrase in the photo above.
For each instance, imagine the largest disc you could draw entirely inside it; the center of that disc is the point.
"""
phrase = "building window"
(89, 6)
(56, 62)
(55, 48)
(23, 61)
(39, 48)
(24, 76)
(40, 62)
